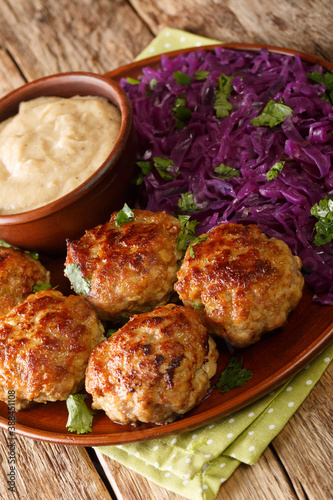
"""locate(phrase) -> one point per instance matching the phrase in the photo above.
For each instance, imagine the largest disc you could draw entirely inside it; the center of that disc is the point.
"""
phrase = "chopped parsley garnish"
(197, 305)
(180, 111)
(124, 215)
(195, 242)
(222, 106)
(110, 332)
(152, 83)
(186, 203)
(323, 211)
(187, 231)
(4, 244)
(145, 169)
(80, 284)
(182, 78)
(162, 165)
(273, 114)
(275, 170)
(132, 81)
(41, 286)
(327, 79)
(233, 376)
(201, 75)
(226, 172)
(80, 417)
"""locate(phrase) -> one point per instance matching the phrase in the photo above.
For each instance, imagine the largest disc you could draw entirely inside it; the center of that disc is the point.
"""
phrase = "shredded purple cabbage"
(281, 206)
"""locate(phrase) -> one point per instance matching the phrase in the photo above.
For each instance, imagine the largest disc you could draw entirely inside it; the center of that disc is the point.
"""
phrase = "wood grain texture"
(45, 471)
(301, 25)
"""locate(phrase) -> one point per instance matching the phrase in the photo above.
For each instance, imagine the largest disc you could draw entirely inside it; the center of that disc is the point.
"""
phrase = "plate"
(277, 357)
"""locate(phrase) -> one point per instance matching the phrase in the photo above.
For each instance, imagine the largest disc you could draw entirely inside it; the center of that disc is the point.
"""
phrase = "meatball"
(154, 369)
(127, 269)
(242, 282)
(19, 272)
(45, 343)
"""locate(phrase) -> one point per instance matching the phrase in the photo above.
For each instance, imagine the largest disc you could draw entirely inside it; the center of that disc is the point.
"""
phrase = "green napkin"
(195, 464)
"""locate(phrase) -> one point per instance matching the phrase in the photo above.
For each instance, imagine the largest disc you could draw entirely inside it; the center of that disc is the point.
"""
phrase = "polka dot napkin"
(195, 464)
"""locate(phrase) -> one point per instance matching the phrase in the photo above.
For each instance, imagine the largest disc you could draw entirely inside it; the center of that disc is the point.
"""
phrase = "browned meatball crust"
(154, 368)
(19, 272)
(243, 282)
(45, 343)
(131, 268)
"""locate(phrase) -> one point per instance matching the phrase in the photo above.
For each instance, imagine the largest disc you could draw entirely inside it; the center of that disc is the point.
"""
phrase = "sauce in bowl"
(51, 146)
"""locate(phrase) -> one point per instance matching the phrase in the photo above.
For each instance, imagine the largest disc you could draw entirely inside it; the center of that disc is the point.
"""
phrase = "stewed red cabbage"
(237, 136)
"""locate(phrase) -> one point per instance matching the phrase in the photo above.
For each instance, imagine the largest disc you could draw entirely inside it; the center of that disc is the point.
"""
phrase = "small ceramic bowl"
(46, 229)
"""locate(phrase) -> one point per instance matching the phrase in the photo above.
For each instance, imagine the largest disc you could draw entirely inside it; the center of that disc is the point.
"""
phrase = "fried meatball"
(243, 282)
(45, 343)
(154, 369)
(129, 268)
(19, 272)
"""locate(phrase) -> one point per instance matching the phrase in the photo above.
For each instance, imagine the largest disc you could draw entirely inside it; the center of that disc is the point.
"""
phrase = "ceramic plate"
(277, 357)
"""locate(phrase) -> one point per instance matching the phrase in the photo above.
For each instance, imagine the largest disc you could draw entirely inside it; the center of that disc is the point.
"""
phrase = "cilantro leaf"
(325, 78)
(187, 231)
(124, 215)
(226, 172)
(37, 287)
(4, 244)
(273, 114)
(233, 376)
(80, 417)
(323, 211)
(186, 203)
(222, 106)
(80, 284)
(201, 75)
(275, 170)
(195, 242)
(145, 169)
(180, 111)
(182, 78)
(162, 165)
(110, 332)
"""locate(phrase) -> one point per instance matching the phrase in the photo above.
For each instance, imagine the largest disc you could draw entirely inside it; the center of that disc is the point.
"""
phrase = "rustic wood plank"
(80, 35)
(304, 26)
(46, 471)
(266, 479)
(305, 444)
(10, 76)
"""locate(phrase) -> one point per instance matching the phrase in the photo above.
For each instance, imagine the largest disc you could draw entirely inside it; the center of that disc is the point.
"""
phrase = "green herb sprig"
(233, 376)
(323, 211)
(80, 417)
(80, 284)
(222, 105)
(273, 114)
(275, 170)
(124, 215)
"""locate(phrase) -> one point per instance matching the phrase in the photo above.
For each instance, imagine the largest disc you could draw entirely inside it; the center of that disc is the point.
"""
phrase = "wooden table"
(41, 37)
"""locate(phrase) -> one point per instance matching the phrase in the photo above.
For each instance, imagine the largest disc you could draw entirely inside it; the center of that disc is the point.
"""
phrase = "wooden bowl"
(45, 229)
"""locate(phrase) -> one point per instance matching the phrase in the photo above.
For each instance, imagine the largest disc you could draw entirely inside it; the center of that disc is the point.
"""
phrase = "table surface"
(41, 37)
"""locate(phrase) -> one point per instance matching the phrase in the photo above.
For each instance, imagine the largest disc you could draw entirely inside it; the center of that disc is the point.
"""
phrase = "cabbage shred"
(264, 121)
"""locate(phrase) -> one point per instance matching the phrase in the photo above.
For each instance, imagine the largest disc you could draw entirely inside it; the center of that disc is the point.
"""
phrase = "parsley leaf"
(222, 106)
(124, 215)
(325, 78)
(195, 242)
(145, 169)
(201, 75)
(80, 417)
(275, 170)
(80, 284)
(187, 232)
(4, 244)
(182, 78)
(180, 111)
(37, 287)
(110, 332)
(233, 376)
(162, 165)
(186, 203)
(323, 211)
(132, 81)
(273, 114)
(197, 305)
(226, 172)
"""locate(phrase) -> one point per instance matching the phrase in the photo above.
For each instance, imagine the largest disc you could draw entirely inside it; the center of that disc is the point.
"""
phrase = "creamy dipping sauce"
(51, 146)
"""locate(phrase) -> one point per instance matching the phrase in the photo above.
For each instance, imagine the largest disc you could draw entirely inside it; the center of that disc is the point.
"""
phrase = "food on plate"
(19, 273)
(45, 343)
(247, 138)
(51, 146)
(242, 282)
(127, 265)
(154, 369)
